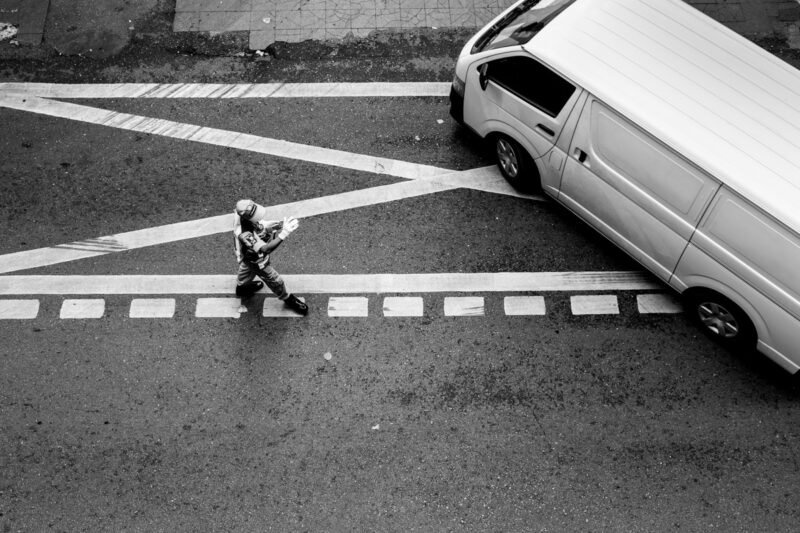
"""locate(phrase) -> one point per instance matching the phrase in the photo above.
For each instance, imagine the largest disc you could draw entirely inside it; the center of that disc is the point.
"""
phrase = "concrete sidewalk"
(298, 20)
(76, 24)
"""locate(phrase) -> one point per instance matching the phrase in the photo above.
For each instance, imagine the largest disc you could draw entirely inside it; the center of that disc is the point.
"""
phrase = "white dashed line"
(348, 307)
(19, 309)
(276, 308)
(218, 308)
(403, 306)
(84, 308)
(524, 305)
(152, 308)
(463, 306)
(657, 303)
(594, 304)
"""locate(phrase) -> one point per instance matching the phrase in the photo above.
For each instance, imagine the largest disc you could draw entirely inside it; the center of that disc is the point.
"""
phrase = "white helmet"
(250, 210)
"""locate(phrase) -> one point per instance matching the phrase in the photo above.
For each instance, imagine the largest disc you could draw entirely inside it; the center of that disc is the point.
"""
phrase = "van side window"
(531, 81)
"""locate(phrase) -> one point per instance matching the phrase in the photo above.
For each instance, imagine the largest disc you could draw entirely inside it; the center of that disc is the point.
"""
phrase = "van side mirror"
(483, 78)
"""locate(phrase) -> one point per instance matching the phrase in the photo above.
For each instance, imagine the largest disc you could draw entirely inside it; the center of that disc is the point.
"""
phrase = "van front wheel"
(516, 165)
(721, 319)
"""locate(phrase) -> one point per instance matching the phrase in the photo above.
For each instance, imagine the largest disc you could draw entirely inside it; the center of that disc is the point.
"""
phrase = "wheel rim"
(718, 319)
(507, 158)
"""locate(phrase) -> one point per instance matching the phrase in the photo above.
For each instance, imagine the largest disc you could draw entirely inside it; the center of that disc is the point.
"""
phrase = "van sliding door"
(633, 189)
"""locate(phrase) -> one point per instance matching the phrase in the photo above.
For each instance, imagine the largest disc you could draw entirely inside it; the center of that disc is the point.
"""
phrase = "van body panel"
(730, 107)
(778, 330)
(633, 189)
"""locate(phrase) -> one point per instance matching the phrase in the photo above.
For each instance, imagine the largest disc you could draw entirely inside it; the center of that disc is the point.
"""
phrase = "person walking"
(255, 239)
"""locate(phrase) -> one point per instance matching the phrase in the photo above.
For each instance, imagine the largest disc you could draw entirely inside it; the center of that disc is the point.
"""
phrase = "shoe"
(297, 304)
(249, 288)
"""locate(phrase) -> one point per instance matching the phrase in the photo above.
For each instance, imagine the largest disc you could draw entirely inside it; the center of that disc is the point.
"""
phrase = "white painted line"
(152, 308)
(218, 90)
(463, 306)
(334, 283)
(348, 306)
(18, 309)
(230, 139)
(218, 308)
(658, 303)
(276, 308)
(524, 305)
(403, 306)
(594, 304)
(87, 308)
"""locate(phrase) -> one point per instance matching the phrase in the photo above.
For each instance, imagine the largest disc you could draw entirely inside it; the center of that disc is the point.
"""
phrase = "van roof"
(729, 106)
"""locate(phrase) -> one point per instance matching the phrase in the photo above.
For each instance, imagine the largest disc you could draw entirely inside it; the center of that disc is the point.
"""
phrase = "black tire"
(721, 319)
(516, 165)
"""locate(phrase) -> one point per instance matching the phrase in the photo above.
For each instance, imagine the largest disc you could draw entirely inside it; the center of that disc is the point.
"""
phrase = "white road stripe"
(524, 305)
(94, 308)
(218, 308)
(658, 303)
(230, 139)
(334, 283)
(348, 306)
(18, 309)
(218, 90)
(594, 304)
(223, 223)
(276, 308)
(463, 306)
(152, 308)
(403, 306)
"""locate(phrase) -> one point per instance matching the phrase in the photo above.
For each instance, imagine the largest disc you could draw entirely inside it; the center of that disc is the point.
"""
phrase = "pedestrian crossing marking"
(403, 306)
(275, 308)
(83, 308)
(348, 306)
(218, 308)
(338, 306)
(463, 306)
(19, 309)
(594, 304)
(152, 308)
(524, 305)
(657, 303)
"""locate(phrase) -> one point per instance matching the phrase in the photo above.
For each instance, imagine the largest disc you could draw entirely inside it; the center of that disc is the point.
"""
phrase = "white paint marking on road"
(480, 178)
(226, 138)
(403, 306)
(19, 309)
(334, 283)
(524, 305)
(658, 303)
(84, 308)
(594, 304)
(348, 306)
(152, 308)
(218, 90)
(463, 306)
(218, 308)
(277, 308)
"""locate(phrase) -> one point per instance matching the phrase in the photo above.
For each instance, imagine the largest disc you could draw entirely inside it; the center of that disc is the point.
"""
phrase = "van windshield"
(520, 24)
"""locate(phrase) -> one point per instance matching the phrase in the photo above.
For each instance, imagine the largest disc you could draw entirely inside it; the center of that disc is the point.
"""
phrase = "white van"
(671, 135)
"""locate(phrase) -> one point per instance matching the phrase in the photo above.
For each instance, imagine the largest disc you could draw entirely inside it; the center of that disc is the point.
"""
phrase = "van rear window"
(521, 24)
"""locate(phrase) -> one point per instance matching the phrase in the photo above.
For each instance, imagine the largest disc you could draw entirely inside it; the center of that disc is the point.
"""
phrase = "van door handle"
(580, 155)
(545, 129)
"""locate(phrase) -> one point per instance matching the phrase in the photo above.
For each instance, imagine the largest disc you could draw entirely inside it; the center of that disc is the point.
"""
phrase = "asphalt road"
(559, 422)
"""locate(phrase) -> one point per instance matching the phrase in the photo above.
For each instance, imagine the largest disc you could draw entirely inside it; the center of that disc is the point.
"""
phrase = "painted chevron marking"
(334, 283)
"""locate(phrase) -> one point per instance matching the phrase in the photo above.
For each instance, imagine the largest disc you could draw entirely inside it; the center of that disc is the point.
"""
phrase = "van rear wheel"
(721, 319)
(516, 165)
